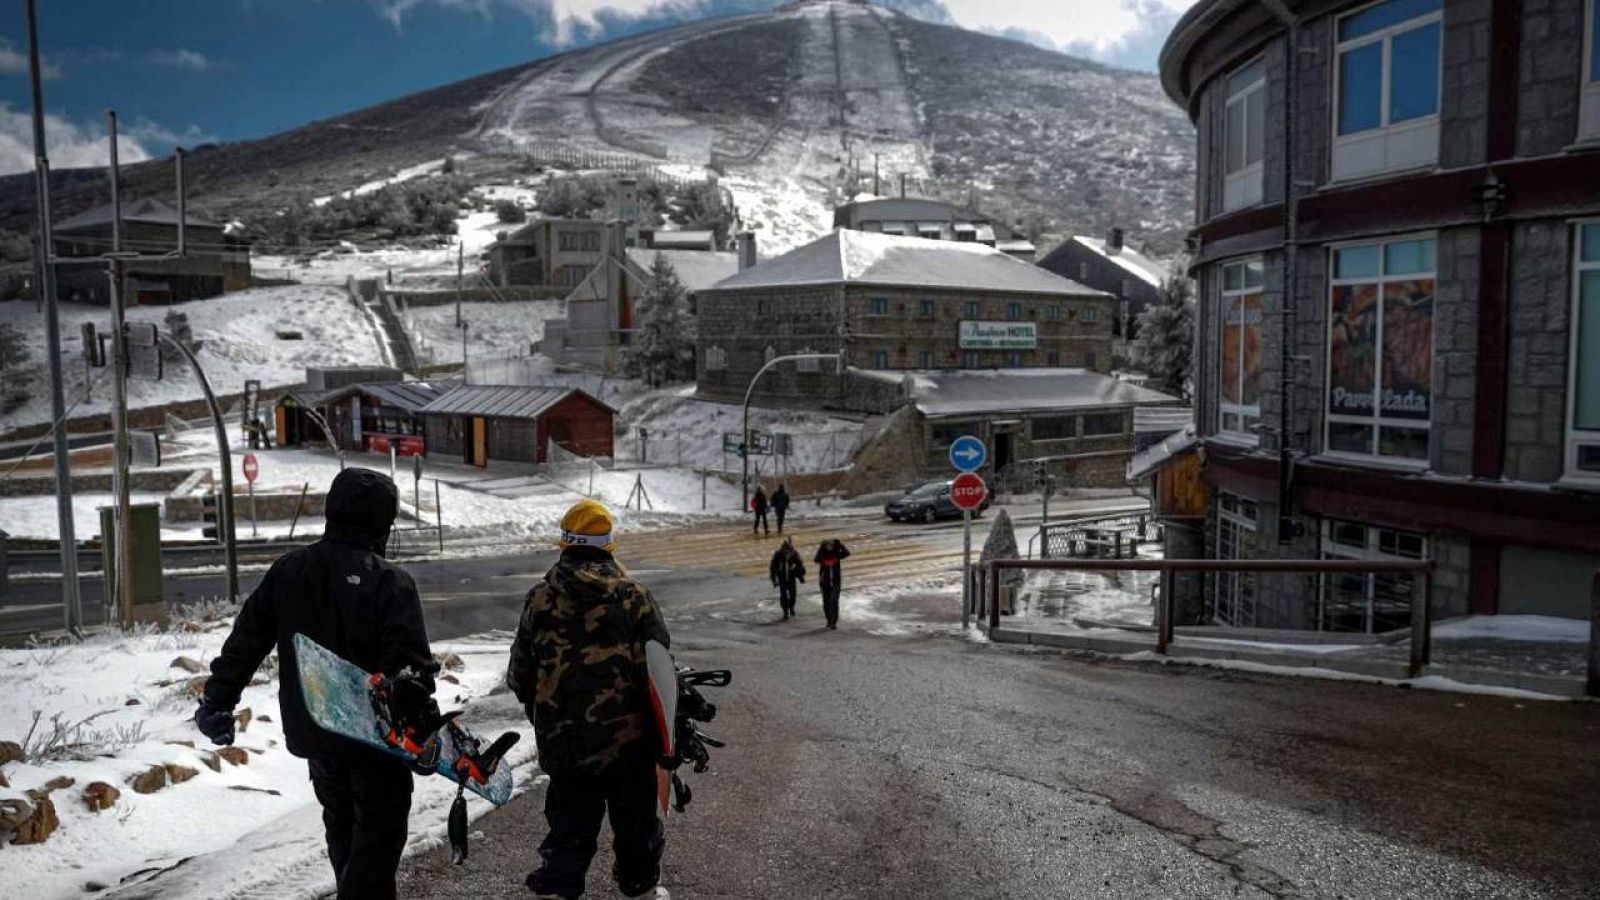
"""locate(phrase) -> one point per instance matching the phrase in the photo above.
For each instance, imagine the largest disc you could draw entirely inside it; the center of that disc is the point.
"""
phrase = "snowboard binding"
(476, 763)
(403, 704)
(690, 742)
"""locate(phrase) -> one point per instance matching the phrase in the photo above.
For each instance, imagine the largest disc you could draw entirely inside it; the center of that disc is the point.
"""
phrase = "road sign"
(146, 447)
(967, 491)
(968, 454)
(252, 468)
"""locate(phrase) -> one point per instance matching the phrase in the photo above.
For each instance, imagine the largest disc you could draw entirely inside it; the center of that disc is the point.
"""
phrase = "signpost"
(252, 468)
(967, 454)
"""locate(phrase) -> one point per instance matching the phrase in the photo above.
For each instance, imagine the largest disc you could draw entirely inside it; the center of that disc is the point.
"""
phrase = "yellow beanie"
(587, 524)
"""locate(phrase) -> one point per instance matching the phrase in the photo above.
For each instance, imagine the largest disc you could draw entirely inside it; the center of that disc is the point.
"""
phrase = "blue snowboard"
(339, 701)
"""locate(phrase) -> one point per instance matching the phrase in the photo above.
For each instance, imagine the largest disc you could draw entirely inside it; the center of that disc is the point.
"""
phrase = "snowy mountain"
(792, 107)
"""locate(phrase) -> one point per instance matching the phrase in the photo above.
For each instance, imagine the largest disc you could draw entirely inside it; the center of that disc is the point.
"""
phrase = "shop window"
(1239, 386)
(1583, 435)
(1244, 136)
(1055, 428)
(1233, 594)
(1367, 602)
(1380, 350)
(1386, 80)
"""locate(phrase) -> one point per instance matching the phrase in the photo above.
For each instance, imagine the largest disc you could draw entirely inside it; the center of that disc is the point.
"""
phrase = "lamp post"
(744, 436)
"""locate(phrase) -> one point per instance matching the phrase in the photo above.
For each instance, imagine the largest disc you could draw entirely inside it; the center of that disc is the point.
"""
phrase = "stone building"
(1110, 265)
(213, 261)
(548, 253)
(892, 303)
(932, 220)
(1398, 254)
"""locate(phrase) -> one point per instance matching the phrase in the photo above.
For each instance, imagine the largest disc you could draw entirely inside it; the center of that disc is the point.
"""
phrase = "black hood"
(361, 508)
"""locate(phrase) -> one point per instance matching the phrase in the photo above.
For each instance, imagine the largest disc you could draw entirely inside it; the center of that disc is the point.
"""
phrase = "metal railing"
(1422, 569)
(1096, 537)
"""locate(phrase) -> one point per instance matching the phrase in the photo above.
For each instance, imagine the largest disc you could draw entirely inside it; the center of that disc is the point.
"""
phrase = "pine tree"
(662, 349)
(1164, 348)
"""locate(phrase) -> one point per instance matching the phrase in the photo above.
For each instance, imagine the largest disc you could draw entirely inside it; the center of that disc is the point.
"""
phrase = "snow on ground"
(35, 517)
(687, 431)
(240, 340)
(493, 329)
(783, 212)
(404, 175)
(1551, 629)
(135, 708)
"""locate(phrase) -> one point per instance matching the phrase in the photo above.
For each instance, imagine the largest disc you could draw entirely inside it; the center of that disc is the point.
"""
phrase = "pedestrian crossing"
(880, 553)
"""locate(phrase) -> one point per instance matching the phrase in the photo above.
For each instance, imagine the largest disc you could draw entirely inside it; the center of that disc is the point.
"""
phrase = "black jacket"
(787, 567)
(830, 554)
(341, 593)
(758, 503)
(780, 500)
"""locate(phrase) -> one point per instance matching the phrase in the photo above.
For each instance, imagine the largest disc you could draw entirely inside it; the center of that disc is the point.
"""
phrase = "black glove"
(215, 723)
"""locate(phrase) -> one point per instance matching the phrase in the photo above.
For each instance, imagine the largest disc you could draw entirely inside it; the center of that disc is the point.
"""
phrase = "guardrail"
(1109, 535)
(1421, 617)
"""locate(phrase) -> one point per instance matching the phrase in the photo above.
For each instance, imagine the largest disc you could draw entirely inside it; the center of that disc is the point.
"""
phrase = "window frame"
(1377, 420)
(1249, 179)
(1091, 313)
(1385, 130)
(926, 360)
(971, 309)
(1371, 549)
(1013, 312)
(1241, 410)
(716, 359)
(880, 360)
(1575, 437)
(878, 306)
(1589, 76)
(1236, 516)
(971, 360)
(926, 309)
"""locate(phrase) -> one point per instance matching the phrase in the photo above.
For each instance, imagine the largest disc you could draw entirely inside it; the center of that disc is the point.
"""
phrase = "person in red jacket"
(830, 553)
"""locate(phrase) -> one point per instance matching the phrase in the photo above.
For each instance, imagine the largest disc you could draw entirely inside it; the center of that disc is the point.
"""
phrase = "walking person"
(343, 594)
(780, 505)
(830, 554)
(787, 570)
(578, 666)
(758, 505)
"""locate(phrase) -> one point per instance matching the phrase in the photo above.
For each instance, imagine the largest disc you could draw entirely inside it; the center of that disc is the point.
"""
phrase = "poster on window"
(1250, 350)
(1232, 357)
(1352, 349)
(1407, 348)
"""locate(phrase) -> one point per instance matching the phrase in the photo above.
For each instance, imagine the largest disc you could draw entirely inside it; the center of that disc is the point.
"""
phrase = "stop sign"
(967, 491)
(251, 468)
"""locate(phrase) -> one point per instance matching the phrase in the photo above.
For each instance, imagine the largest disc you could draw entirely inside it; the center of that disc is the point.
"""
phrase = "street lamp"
(744, 436)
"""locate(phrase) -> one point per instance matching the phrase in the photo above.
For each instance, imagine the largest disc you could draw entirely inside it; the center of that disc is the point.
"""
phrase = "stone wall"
(270, 507)
(789, 321)
(1455, 350)
(94, 482)
(1464, 84)
(1548, 65)
(1536, 371)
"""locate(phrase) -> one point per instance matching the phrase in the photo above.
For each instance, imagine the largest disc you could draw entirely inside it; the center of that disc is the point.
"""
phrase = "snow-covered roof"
(149, 210)
(1132, 261)
(697, 269)
(1162, 419)
(410, 396)
(683, 239)
(958, 392)
(500, 401)
(860, 257)
(1156, 455)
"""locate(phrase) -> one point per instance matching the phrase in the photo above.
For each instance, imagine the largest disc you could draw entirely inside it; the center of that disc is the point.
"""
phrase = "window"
(1233, 596)
(572, 276)
(878, 306)
(1055, 428)
(1088, 359)
(1053, 358)
(1243, 139)
(1013, 311)
(880, 359)
(1013, 359)
(1053, 312)
(1239, 386)
(925, 308)
(1366, 602)
(1091, 314)
(808, 366)
(940, 437)
(969, 360)
(1386, 116)
(1103, 424)
(1589, 101)
(591, 241)
(925, 359)
(1380, 350)
(716, 359)
(1583, 439)
(971, 309)
(1083, 271)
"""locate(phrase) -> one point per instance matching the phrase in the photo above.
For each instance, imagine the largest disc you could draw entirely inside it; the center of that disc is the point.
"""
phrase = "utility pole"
(744, 436)
(119, 396)
(460, 270)
(71, 598)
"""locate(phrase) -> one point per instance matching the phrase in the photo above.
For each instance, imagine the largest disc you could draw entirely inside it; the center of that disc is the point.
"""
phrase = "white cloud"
(1095, 27)
(14, 61)
(181, 58)
(70, 145)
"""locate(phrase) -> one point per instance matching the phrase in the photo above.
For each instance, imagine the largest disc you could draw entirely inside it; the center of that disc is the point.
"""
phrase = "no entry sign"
(967, 491)
(251, 468)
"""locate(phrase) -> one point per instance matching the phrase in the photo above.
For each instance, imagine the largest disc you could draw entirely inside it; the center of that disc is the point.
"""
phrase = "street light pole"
(119, 395)
(744, 436)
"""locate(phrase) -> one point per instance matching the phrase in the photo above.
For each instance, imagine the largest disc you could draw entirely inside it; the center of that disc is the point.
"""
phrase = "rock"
(100, 796)
(242, 718)
(59, 783)
(188, 664)
(263, 718)
(212, 761)
(3, 782)
(234, 756)
(189, 744)
(179, 774)
(149, 781)
(131, 701)
(94, 887)
(450, 678)
(254, 790)
(196, 686)
(10, 751)
(451, 662)
(13, 813)
(43, 822)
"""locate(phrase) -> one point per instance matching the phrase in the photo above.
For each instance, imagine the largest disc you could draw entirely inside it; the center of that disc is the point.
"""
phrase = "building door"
(480, 442)
(1002, 451)
(1234, 597)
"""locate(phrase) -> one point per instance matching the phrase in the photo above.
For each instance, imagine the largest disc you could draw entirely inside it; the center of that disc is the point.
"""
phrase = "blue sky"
(191, 71)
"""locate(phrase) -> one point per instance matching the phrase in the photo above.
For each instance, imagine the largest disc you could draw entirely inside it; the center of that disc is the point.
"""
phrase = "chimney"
(1114, 240)
(747, 250)
(616, 239)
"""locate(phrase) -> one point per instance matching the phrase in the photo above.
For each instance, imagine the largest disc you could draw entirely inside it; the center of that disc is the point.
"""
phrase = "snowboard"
(338, 696)
(664, 703)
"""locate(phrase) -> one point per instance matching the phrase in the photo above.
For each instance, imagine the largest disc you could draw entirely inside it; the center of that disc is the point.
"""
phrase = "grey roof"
(500, 401)
(1157, 455)
(149, 210)
(958, 392)
(1162, 419)
(697, 269)
(690, 237)
(303, 394)
(410, 396)
(859, 257)
(912, 211)
(1132, 261)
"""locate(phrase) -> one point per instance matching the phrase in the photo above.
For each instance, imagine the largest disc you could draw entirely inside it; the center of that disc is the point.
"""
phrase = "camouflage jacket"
(578, 664)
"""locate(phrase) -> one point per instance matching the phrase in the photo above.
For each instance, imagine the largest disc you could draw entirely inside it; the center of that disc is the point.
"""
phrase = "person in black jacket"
(758, 505)
(341, 593)
(780, 505)
(787, 569)
(830, 554)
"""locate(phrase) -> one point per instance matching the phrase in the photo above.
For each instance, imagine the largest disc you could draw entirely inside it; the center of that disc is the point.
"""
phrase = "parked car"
(928, 502)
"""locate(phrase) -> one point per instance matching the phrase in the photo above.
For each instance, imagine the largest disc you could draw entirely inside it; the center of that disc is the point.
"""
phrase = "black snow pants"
(786, 595)
(575, 805)
(760, 523)
(366, 800)
(830, 593)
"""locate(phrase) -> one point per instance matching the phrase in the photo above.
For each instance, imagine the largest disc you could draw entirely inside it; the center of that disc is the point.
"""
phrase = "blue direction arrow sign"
(968, 454)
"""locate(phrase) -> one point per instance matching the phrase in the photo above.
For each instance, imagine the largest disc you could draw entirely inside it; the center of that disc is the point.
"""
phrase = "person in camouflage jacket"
(578, 666)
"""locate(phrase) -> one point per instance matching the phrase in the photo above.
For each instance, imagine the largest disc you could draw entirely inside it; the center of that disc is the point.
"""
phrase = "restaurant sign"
(999, 335)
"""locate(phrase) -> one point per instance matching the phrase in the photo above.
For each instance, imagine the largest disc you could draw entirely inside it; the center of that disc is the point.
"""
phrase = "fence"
(1421, 622)
(1098, 537)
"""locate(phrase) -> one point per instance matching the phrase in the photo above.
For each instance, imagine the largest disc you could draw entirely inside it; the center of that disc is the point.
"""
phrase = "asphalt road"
(928, 766)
